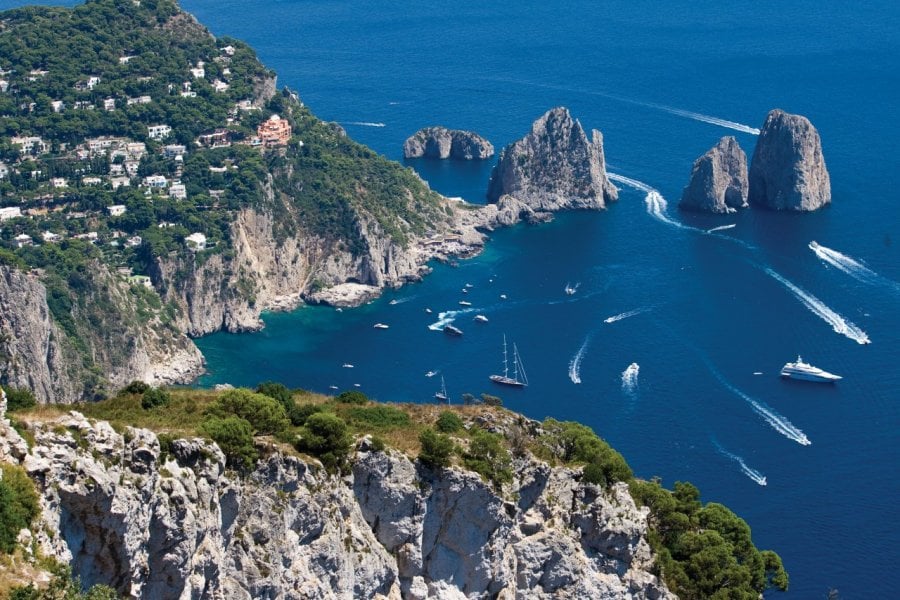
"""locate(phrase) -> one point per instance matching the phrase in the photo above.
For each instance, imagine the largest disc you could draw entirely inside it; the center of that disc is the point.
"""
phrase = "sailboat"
(518, 370)
(442, 396)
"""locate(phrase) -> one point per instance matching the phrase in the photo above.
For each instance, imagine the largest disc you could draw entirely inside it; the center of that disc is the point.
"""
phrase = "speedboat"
(465, 303)
(480, 318)
(451, 330)
(807, 372)
(380, 326)
(347, 366)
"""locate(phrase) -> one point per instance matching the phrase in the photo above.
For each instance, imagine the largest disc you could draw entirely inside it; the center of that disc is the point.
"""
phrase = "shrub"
(327, 437)
(490, 400)
(18, 505)
(301, 412)
(155, 397)
(277, 391)
(265, 415)
(352, 397)
(379, 416)
(63, 586)
(378, 444)
(135, 387)
(448, 422)
(488, 457)
(437, 449)
(19, 398)
(234, 436)
(574, 442)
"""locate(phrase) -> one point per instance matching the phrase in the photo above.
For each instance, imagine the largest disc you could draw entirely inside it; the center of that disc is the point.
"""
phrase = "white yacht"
(480, 318)
(807, 372)
(519, 379)
(465, 303)
(380, 326)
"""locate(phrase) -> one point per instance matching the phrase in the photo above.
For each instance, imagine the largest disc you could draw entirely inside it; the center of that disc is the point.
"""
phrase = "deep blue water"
(712, 316)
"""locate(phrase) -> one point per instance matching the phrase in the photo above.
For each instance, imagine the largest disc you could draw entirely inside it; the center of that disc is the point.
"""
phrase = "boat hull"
(507, 381)
(823, 378)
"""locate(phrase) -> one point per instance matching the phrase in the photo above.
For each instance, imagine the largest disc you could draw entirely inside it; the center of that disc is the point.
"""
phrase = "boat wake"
(820, 309)
(625, 315)
(778, 422)
(364, 124)
(748, 471)
(630, 379)
(721, 228)
(401, 300)
(689, 114)
(851, 266)
(656, 204)
(575, 363)
(447, 317)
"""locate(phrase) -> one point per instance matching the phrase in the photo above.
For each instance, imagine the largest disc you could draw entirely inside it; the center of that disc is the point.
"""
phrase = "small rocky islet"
(443, 143)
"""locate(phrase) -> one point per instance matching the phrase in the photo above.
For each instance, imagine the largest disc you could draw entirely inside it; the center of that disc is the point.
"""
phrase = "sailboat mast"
(515, 363)
(505, 366)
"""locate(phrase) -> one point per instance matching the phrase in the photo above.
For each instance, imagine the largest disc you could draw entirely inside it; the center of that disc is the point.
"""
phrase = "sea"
(708, 307)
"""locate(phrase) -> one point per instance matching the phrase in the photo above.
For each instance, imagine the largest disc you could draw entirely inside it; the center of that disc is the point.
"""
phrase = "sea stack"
(440, 142)
(788, 170)
(718, 180)
(554, 167)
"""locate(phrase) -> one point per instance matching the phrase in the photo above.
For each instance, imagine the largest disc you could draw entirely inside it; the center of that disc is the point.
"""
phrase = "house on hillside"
(196, 242)
(158, 132)
(275, 131)
(116, 210)
(30, 144)
(10, 212)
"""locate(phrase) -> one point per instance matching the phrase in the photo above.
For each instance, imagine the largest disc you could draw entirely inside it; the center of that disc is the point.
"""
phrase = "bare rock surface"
(440, 142)
(718, 180)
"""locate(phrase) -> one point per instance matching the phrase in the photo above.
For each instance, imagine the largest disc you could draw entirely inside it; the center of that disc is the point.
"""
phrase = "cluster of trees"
(487, 453)
(706, 551)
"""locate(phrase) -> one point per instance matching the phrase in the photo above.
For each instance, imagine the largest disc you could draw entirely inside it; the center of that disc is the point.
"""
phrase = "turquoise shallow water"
(649, 75)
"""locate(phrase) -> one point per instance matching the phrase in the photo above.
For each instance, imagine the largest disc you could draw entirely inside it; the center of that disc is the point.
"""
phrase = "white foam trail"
(820, 309)
(638, 185)
(575, 363)
(625, 315)
(748, 471)
(721, 228)
(447, 317)
(656, 204)
(630, 379)
(851, 266)
(778, 422)
(704, 118)
(365, 124)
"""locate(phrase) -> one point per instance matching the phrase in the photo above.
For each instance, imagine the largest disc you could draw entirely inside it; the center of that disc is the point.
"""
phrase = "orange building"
(274, 132)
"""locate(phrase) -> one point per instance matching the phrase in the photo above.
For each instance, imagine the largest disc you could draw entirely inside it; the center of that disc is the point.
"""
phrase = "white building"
(198, 71)
(51, 237)
(4, 171)
(155, 181)
(171, 151)
(228, 50)
(4, 86)
(10, 212)
(59, 182)
(58, 106)
(178, 191)
(23, 240)
(109, 104)
(117, 182)
(196, 242)
(123, 60)
(158, 132)
(139, 100)
(30, 144)
(91, 181)
(92, 82)
(219, 85)
(116, 210)
(134, 241)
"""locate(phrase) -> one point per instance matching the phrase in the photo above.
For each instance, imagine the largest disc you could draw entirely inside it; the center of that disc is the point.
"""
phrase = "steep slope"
(718, 180)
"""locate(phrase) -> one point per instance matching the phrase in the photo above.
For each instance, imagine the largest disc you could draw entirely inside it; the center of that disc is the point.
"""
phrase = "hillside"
(302, 495)
(155, 185)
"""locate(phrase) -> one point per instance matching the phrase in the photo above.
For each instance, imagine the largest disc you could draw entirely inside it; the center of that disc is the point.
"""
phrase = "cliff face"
(788, 169)
(176, 524)
(554, 167)
(718, 180)
(440, 142)
(109, 333)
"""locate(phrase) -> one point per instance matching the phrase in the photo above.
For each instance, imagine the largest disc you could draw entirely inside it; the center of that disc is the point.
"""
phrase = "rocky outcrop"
(718, 180)
(174, 523)
(106, 334)
(554, 167)
(788, 169)
(440, 142)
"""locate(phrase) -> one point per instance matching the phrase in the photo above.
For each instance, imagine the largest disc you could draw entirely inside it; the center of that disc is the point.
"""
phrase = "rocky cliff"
(110, 330)
(440, 142)
(171, 522)
(718, 180)
(788, 169)
(554, 167)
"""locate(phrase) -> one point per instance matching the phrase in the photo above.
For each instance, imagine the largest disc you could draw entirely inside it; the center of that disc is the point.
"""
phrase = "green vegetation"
(573, 442)
(63, 586)
(352, 397)
(18, 398)
(705, 551)
(264, 414)
(154, 398)
(234, 436)
(448, 422)
(327, 437)
(18, 505)
(437, 449)
(488, 456)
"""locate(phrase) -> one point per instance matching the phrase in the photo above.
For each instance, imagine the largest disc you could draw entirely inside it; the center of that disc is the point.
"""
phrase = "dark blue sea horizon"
(709, 317)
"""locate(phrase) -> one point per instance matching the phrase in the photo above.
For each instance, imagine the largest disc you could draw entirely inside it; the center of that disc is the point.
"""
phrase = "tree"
(352, 397)
(155, 397)
(488, 457)
(18, 505)
(63, 587)
(265, 415)
(490, 400)
(19, 398)
(327, 437)
(278, 391)
(437, 449)
(234, 436)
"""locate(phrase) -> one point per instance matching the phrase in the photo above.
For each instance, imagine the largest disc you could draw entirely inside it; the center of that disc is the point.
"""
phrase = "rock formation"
(171, 522)
(718, 180)
(554, 167)
(788, 170)
(440, 142)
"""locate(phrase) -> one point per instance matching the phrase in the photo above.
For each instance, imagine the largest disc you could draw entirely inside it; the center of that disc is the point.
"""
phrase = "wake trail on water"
(851, 266)
(748, 471)
(630, 379)
(625, 315)
(721, 228)
(364, 124)
(447, 317)
(838, 323)
(575, 363)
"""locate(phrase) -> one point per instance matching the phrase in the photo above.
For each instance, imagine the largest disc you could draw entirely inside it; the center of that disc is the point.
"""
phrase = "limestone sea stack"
(440, 142)
(554, 167)
(788, 170)
(718, 180)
